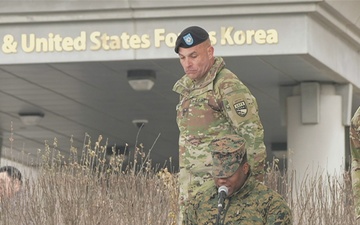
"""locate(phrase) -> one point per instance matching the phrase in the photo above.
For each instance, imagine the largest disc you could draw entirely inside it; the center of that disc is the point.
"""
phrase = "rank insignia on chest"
(241, 108)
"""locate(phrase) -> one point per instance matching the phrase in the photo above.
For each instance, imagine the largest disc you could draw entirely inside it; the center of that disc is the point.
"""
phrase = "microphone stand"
(218, 217)
(223, 192)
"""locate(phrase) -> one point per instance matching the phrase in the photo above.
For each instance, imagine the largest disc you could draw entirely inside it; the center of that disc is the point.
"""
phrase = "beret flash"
(190, 37)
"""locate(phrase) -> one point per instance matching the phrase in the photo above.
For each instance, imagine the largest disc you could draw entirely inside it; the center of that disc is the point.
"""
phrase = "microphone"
(223, 192)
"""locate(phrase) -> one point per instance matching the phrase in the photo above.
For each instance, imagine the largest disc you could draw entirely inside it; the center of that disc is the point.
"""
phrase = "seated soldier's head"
(230, 166)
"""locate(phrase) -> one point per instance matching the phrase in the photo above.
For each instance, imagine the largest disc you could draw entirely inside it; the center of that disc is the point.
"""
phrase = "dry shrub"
(318, 199)
(97, 189)
(94, 189)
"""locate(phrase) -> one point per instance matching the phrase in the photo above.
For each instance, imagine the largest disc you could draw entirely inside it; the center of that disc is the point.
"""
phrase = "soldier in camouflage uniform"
(248, 201)
(213, 103)
(355, 158)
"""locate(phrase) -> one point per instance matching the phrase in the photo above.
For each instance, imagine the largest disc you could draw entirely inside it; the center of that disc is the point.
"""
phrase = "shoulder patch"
(240, 108)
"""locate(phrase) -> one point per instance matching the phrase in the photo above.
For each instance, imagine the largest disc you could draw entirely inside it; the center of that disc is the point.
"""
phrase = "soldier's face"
(236, 181)
(197, 61)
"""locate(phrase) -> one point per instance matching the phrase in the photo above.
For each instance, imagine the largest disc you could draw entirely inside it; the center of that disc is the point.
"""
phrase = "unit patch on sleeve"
(241, 108)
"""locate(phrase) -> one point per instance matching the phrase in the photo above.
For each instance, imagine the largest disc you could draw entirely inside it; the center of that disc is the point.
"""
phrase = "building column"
(316, 129)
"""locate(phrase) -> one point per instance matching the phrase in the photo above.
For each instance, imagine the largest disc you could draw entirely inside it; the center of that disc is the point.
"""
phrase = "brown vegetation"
(97, 189)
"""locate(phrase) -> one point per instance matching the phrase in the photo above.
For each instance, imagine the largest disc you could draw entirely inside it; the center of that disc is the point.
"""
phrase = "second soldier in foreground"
(248, 202)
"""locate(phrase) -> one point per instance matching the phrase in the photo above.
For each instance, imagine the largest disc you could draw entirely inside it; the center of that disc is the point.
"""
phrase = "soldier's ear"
(16, 185)
(210, 51)
(246, 168)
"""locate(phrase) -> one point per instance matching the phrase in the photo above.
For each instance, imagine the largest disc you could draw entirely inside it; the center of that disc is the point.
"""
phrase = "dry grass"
(95, 188)
(319, 199)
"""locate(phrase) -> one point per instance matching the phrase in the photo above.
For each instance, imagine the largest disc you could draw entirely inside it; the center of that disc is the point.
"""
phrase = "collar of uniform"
(246, 188)
(210, 76)
(185, 84)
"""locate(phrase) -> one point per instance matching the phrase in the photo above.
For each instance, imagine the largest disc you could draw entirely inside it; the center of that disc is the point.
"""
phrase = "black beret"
(190, 37)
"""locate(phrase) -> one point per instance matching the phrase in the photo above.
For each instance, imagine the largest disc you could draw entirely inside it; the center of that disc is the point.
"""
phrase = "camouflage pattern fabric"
(228, 153)
(253, 204)
(217, 105)
(355, 159)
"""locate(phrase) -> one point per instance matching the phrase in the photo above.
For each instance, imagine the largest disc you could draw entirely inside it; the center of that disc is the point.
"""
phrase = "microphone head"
(224, 189)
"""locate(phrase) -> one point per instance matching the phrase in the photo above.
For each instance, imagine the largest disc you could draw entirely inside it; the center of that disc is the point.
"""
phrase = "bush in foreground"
(96, 189)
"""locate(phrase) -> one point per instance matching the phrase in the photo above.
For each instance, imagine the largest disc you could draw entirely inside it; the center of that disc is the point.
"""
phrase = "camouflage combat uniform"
(217, 105)
(253, 204)
(355, 155)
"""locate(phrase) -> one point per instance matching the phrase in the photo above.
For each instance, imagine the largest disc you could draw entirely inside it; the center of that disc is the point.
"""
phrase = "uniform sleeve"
(189, 216)
(241, 109)
(279, 212)
(355, 159)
